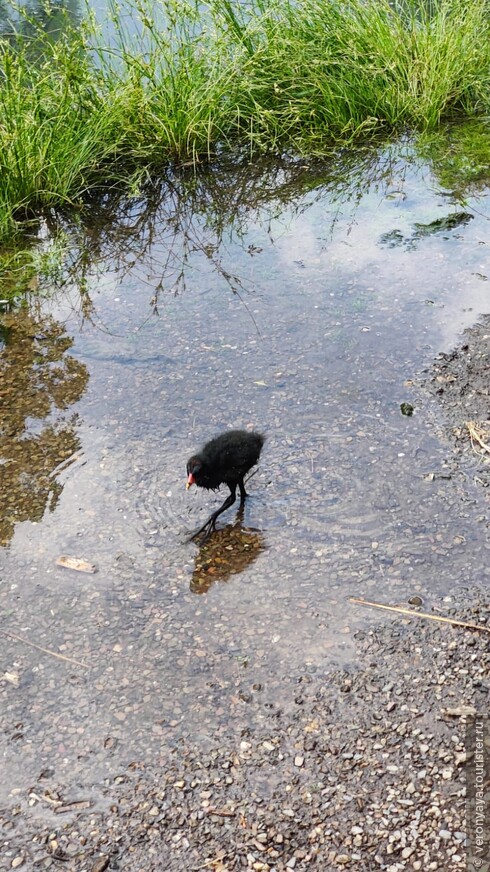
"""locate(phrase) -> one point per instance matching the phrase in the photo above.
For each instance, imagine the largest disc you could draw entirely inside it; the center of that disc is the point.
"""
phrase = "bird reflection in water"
(229, 551)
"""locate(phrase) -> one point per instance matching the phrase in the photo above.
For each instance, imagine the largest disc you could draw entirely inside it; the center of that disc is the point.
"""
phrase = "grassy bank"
(268, 76)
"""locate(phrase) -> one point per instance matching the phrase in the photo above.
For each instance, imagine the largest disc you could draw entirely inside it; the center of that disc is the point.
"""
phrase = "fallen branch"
(44, 650)
(426, 615)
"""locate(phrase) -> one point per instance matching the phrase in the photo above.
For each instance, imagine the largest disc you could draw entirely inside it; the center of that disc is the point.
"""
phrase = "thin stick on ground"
(44, 650)
(426, 615)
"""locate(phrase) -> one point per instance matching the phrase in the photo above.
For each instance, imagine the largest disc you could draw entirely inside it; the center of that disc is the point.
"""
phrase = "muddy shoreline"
(366, 770)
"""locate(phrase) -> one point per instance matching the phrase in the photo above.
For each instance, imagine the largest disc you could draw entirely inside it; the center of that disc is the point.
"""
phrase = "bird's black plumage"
(226, 459)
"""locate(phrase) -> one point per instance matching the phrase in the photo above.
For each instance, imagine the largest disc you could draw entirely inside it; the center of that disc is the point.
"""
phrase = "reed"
(77, 115)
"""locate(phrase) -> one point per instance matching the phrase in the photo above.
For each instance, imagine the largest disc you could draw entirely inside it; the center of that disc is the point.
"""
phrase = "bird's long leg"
(210, 524)
(243, 492)
(239, 517)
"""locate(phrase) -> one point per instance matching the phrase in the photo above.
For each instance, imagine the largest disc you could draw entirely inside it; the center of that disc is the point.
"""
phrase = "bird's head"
(194, 467)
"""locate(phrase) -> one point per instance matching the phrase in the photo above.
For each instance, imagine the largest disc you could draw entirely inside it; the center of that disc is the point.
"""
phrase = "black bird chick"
(224, 460)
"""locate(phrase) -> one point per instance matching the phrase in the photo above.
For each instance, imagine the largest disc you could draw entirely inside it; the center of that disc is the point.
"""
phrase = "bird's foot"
(204, 532)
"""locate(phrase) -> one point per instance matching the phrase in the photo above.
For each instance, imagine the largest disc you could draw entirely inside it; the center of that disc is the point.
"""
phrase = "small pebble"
(415, 601)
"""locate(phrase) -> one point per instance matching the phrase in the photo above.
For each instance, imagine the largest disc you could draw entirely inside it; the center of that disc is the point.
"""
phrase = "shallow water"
(310, 317)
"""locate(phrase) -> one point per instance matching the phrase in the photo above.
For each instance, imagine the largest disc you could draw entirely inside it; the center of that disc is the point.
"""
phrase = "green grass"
(77, 116)
(459, 155)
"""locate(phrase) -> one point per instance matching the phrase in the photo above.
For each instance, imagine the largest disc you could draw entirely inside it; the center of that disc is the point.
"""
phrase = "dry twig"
(426, 615)
(44, 650)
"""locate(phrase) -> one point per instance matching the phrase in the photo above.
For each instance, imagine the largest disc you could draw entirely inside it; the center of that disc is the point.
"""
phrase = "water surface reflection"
(38, 435)
(228, 552)
(250, 297)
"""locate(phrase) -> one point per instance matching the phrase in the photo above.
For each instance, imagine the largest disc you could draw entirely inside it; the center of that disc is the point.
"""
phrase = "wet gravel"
(367, 772)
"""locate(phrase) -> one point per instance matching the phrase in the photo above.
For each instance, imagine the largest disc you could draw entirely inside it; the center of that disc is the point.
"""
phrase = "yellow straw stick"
(412, 614)
(44, 650)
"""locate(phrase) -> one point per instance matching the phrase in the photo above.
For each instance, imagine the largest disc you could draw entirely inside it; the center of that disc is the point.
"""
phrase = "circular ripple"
(161, 511)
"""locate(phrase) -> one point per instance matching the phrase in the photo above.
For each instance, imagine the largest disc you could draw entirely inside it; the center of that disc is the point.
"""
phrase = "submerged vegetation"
(196, 80)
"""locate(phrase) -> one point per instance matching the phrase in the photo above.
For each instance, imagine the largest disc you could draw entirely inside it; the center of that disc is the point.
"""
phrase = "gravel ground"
(368, 773)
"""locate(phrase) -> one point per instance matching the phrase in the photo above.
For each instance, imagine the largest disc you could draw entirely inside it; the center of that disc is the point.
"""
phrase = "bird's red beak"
(190, 481)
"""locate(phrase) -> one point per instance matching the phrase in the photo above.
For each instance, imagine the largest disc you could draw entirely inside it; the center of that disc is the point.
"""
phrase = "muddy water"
(310, 317)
